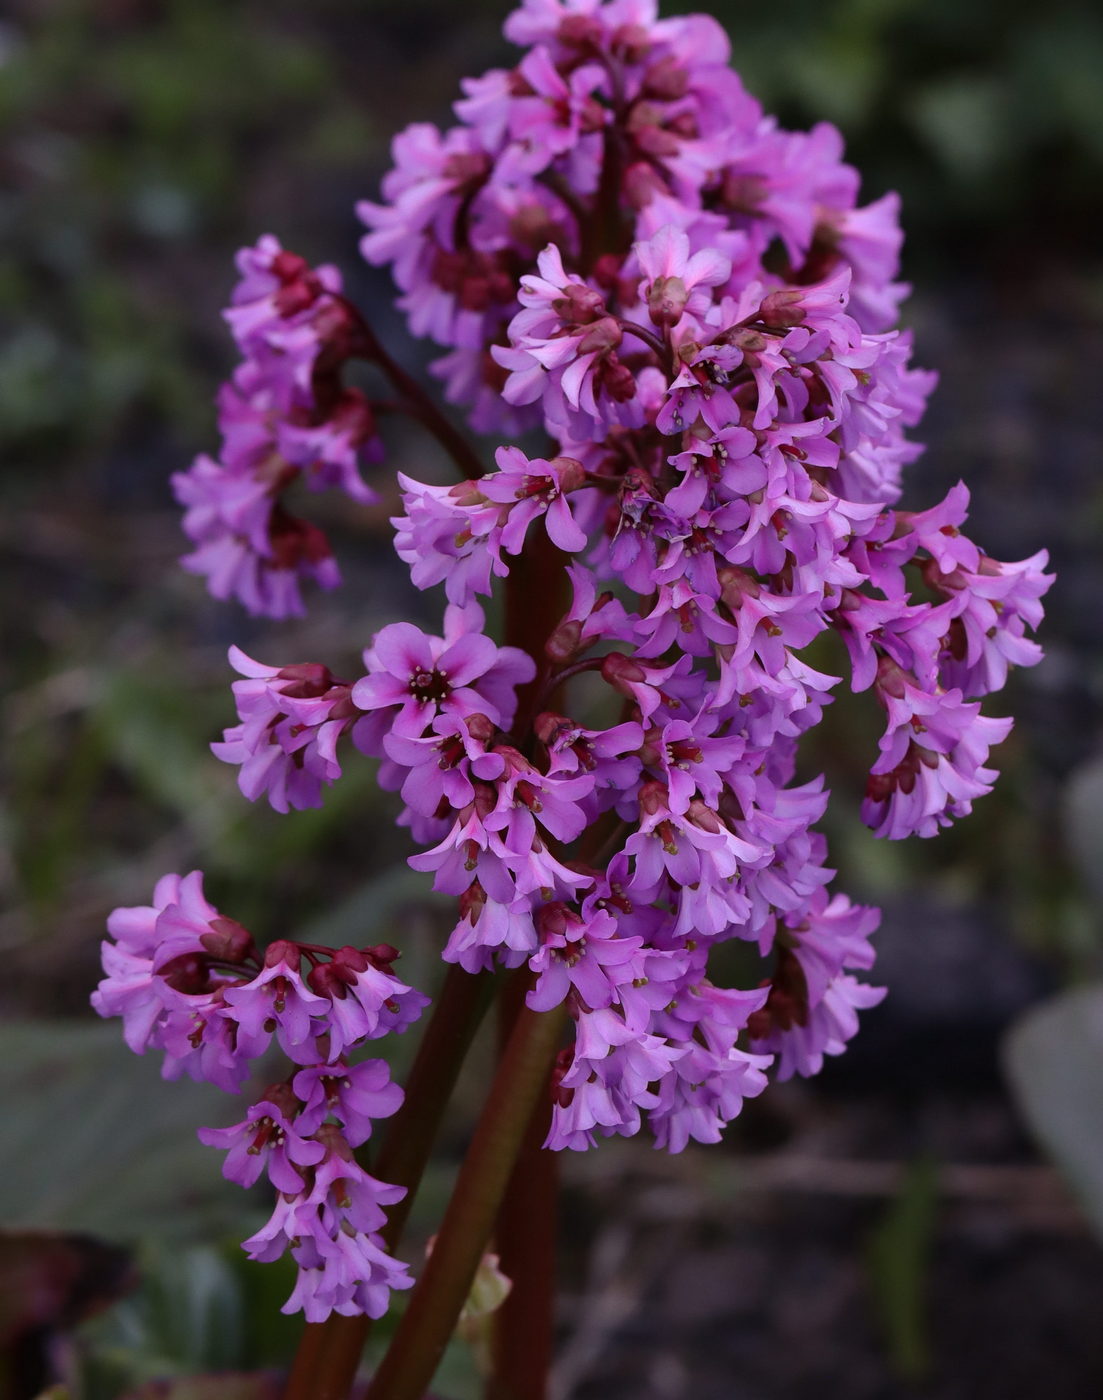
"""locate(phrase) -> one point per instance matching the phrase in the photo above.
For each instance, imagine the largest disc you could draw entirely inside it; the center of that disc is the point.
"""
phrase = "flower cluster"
(706, 338)
(191, 982)
(615, 245)
(285, 415)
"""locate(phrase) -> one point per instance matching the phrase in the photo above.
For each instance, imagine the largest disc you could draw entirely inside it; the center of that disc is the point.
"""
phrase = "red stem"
(417, 402)
(536, 597)
(329, 1354)
(430, 1317)
(525, 1236)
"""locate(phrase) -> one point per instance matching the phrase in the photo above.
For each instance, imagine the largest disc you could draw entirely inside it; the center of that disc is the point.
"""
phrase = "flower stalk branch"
(430, 1317)
(329, 1354)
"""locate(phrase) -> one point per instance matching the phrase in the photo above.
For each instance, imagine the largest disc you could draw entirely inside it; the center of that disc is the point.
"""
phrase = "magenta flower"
(563, 348)
(278, 1001)
(341, 1268)
(676, 283)
(932, 756)
(615, 243)
(800, 1042)
(712, 1076)
(528, 489)
(555, 113)
(166, 973)
(440, 769)
(489, 932)
(450, 535)
(292, 720)
(355, 1095)
(267, 1140)
(585, 956)
(413, 677)
(366, 999)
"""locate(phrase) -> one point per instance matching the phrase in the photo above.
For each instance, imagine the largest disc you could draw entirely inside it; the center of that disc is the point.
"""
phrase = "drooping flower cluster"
(616, 245)
(191, 982)
(285, 416)
(706, 338)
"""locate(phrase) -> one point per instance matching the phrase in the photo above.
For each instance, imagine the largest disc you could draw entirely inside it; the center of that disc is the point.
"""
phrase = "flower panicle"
(612, 244)
(192, 983)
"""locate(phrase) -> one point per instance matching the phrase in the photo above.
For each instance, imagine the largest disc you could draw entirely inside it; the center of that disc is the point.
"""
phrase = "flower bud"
(666, 301)
(228, 941)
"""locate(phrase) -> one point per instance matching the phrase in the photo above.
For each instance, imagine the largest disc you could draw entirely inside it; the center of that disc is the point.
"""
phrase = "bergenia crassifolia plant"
(683, 312)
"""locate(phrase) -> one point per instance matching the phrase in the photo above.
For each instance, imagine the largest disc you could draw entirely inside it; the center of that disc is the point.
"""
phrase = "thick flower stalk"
(616, 248)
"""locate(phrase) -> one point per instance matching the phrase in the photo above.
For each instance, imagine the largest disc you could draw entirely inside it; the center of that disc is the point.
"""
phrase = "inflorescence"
(614, 246)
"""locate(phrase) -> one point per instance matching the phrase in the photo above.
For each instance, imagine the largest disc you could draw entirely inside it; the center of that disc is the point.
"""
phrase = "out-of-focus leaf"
(1083, 823)
(963, 117)
(198, 1311)
(48, 1284)
(898, 1258)
(152, 732)
(93, 1139)
(54, 1281)
(1054, 1060)
(238, 1387)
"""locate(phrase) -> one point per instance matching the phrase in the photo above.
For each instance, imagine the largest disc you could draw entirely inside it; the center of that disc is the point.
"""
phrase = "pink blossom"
(531, 488)
(292, 719)
(414, 677)
(278, 1000)
(366, 999)
(166, 972)
(672, 276)
(355, 1095)
(267, 1140)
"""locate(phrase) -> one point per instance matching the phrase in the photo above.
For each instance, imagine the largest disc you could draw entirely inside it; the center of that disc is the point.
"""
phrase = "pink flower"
(490, 932)
(166, 974)
(450, 535)
(530, 488)
(278, 1000)
(267, 1140)
(414, 677)
(366, 999)
(563, 347)
(341, 1268)
(555, 113)
(292, 719)
(672, 277)
(355, 1095)
(801, 1041)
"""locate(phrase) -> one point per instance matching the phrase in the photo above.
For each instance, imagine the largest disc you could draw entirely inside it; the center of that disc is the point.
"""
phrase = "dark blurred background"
(890, 1230)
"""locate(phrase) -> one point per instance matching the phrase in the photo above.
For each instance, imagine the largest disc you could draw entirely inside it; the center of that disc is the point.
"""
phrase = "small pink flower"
(278, 1000)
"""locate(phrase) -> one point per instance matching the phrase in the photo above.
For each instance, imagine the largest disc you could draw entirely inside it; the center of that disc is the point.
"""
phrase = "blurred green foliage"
(898, 1259)
(987, 112)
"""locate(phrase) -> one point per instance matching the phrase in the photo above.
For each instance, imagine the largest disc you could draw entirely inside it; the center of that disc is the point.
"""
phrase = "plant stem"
(525, 1236)
(329, 1354)
(417, 402)
(445, 1282)
(536, 598)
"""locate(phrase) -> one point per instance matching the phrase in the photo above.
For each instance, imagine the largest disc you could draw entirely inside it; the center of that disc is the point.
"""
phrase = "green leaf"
(197, 1310)
(898, 1258)
(95, 1140)
(151, 728)
(1053, 1057)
